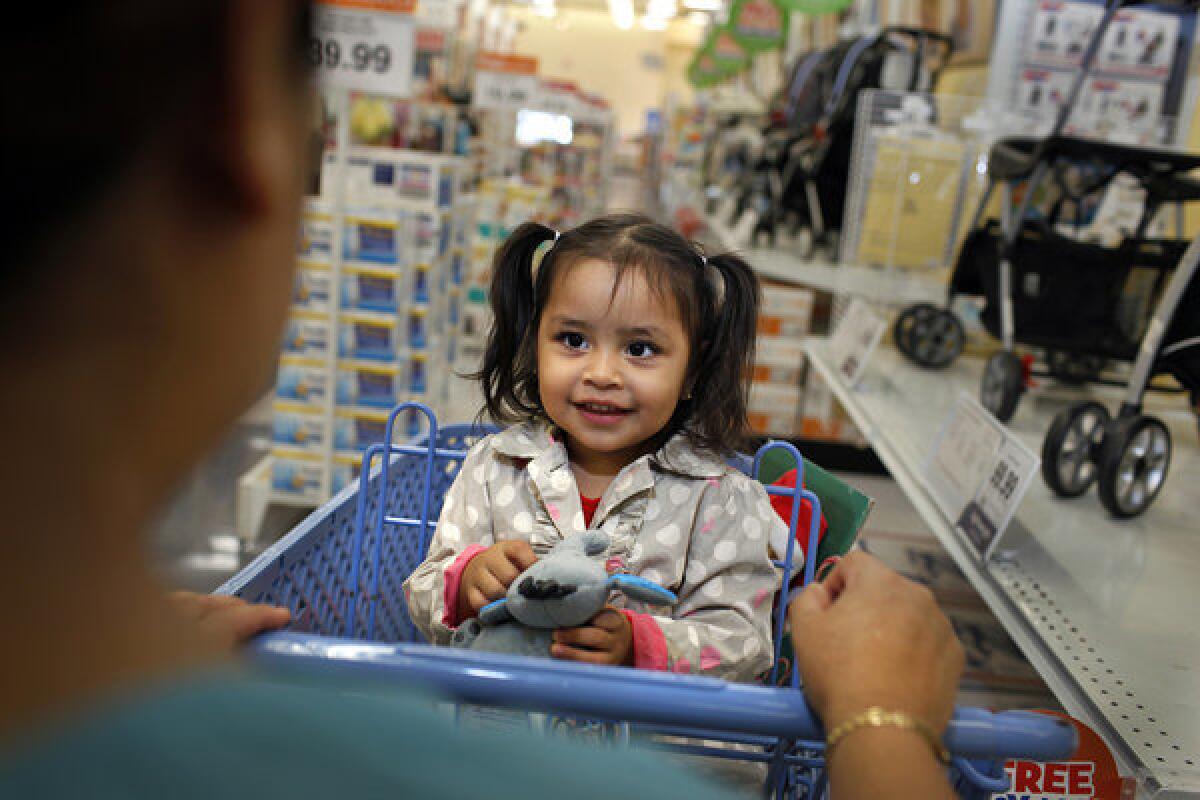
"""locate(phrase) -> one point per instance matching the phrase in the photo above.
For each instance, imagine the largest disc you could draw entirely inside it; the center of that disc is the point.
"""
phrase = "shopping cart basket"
(340, 572)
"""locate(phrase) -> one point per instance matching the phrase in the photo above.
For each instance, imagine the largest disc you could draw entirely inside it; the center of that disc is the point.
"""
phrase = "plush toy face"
(567, 586)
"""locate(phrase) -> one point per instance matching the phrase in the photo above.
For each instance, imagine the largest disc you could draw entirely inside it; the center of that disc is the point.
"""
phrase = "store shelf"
(1103, 609)
(892, 287)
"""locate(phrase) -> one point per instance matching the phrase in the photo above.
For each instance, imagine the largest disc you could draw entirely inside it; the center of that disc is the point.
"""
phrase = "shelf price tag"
(504, 82)
(364, 45)
(978, 473)
(855, 339)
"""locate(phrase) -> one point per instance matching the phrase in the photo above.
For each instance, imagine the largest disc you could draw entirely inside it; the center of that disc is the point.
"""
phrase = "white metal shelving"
(1104, 609)
(886, 286)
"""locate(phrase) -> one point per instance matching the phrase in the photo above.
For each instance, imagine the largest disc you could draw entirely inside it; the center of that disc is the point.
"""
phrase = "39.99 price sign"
(364, 46)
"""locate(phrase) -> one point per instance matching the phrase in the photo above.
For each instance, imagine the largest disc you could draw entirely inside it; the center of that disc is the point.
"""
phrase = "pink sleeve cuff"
(649, 644)
(451, 578)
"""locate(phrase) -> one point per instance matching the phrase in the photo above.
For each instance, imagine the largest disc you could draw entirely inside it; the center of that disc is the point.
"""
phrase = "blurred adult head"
(154, 157)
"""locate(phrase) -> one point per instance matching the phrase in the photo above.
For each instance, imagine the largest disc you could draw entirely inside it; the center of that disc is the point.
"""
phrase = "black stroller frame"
(1127, 456)
(804, 166)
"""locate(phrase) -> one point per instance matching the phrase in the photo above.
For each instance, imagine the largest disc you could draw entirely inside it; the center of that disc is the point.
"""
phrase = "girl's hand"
(490, 573)
(868, 637)
(607, 638)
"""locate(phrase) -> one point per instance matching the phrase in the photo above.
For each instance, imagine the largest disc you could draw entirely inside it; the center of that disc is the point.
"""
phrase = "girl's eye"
(573, 341)
(642, 349)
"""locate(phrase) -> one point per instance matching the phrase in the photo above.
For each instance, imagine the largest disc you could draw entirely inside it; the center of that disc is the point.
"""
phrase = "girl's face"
(611, 368)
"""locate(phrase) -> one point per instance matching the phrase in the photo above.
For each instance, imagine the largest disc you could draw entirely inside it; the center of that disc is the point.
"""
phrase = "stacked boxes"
(776, 379)
(303, 396)
(377, 298)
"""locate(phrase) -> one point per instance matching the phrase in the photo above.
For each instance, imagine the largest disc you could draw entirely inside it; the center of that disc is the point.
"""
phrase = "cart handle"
(619, 693)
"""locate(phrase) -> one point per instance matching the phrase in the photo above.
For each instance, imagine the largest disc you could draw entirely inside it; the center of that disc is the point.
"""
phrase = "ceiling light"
(702, 5)
(622, 13)
(662, 9)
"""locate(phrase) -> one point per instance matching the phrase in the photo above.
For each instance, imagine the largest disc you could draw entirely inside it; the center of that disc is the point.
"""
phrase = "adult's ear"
(259, 144)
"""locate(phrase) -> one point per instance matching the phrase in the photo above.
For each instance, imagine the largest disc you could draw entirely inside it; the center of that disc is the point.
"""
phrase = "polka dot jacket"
(678, 517)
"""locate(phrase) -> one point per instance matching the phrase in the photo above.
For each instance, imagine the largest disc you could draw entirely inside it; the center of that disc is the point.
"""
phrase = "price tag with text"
(978, 473)
(504, 82)
(855, 339)
(364, 45)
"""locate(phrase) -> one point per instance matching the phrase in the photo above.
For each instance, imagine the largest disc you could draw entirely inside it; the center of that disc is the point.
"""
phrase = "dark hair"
(717, 298)
(91, 86)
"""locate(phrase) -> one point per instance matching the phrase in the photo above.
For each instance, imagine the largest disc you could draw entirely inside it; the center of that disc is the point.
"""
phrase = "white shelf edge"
(1060, 682)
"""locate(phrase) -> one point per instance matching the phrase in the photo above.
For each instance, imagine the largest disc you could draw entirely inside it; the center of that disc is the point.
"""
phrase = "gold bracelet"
(876, 717)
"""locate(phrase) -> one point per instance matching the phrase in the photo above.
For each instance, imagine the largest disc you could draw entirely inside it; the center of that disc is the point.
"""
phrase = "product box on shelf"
(428, 236)
(407, 178)
(316, 232)
(346, 468)
(299, 426)
(993, 659)
(312, 286)
(369, 383)
(819, 418)
(296, 472)
(785, 311)
(773, 408)
(417, 328)
(376, 236)
(366, 335)
(302, 380)
(371, 287)
(307, 334)
(920, 558)
(778, 359)
(356, 429)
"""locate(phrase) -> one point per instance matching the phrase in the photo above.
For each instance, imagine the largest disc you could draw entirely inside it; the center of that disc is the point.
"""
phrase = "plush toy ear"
(642, 589)
(495, 612)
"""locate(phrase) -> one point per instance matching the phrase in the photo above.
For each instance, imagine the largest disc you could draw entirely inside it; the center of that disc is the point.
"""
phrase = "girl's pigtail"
(509, 370)
(719, 411)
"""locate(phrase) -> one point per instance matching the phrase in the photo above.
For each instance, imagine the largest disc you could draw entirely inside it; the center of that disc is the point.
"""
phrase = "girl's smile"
(612, 362)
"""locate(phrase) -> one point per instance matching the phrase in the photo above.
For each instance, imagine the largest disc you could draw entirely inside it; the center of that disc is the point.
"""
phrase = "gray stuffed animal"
(564, 589)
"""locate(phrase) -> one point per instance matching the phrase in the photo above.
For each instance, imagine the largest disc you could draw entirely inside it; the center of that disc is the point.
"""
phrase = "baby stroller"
(1082, 304)
(816, 172)
(341, 570)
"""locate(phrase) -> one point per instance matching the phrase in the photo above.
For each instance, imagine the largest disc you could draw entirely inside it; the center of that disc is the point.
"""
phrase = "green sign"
(817, 6)
(727, 50)
(758, 25)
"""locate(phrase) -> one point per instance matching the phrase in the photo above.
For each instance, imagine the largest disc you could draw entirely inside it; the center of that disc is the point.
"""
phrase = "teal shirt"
(231, 736)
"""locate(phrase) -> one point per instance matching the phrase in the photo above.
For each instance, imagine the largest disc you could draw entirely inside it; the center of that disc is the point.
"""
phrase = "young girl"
(620, 357)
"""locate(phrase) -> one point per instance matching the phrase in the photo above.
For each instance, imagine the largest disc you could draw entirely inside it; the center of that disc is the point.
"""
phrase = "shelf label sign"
(504, 82)
(1090, 773)
(978, 473)
(364, 45)
(855, 339)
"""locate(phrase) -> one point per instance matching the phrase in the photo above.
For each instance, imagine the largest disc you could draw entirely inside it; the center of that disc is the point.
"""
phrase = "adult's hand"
(868, 637)
(228, 620)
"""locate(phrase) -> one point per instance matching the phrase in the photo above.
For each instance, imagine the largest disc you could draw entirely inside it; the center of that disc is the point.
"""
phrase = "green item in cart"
(845, 508)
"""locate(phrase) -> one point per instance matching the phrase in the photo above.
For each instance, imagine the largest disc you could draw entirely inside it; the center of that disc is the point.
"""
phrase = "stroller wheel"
(937, 338)
(1071, 448)
(906, 323)
(1134, 459)
(1003, 382)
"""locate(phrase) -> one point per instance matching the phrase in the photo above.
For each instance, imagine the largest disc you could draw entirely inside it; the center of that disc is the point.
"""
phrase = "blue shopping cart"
(340, 573)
